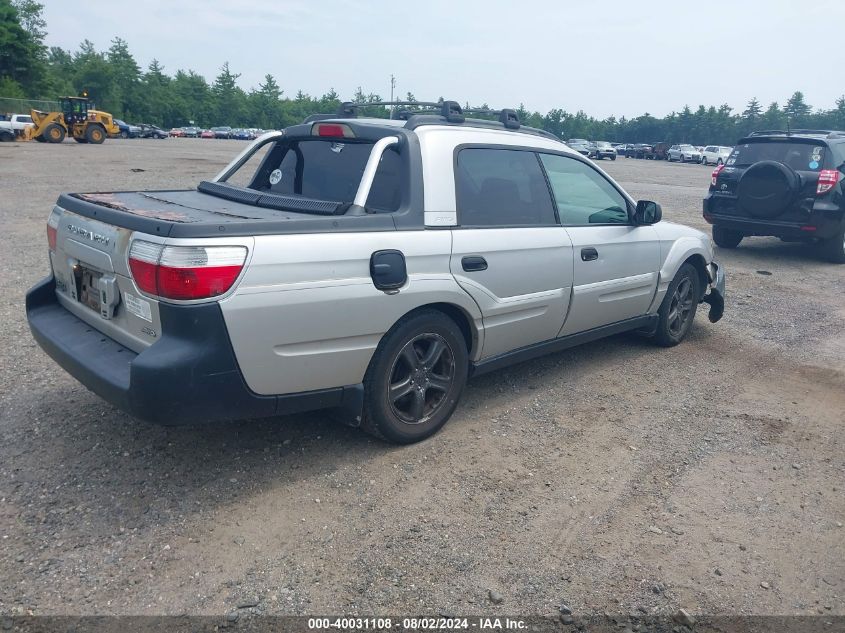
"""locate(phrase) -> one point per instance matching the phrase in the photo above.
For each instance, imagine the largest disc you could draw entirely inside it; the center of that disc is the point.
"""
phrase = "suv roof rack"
(434, 112)
(826, 133)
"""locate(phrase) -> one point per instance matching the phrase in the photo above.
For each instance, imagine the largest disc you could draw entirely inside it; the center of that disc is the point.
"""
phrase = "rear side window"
(329, 170)
(799, 156)
(501, 187)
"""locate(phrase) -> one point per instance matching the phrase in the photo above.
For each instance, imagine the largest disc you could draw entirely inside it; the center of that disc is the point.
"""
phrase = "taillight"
(332, 130)
(827, 180)
(185, 273)
(52, 230)
(715, 175)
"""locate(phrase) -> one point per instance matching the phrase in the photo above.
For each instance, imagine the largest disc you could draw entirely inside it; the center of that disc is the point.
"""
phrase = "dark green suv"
(782, 184)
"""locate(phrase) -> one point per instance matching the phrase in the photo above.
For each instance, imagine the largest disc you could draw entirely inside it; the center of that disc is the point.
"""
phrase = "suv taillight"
(715, 175)
(827, 180)
(52, 230)
(185, 273)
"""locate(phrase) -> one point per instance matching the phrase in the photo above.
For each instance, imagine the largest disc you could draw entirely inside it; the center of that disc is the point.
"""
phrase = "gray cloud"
(609, 57)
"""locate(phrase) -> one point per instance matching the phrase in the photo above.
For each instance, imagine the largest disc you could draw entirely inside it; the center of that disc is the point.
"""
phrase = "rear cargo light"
(336, 130)
(52, 230)
(827, 180)
(715, 175)
(185, 273)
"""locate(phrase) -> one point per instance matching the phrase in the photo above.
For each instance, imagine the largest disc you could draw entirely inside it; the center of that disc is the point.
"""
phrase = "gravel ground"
(612, 477)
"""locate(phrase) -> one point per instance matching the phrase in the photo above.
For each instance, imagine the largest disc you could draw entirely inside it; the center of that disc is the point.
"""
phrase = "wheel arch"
(687, 249)
(465, 322)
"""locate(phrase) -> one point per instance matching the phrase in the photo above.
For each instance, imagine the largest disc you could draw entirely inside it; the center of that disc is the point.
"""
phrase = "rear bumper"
(821, 223)
(188, 376)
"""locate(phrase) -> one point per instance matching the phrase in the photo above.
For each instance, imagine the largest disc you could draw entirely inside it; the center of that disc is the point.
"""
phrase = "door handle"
(589, 254)
(473, 263)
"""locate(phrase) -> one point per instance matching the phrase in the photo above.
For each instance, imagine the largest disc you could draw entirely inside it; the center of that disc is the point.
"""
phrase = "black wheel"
(415, 378)
(40, 138)
(80, 140)
(726, 238)
(613, 157)
(54, 133)
(833, 249)
(124, 134)
(95, 134)
(718, 161)
(677, 312)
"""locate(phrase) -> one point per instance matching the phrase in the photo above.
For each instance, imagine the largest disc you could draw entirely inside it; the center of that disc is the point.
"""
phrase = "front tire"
(726, 238)
(54, 133)
(95, 134)
(677, 312)
(415, 378)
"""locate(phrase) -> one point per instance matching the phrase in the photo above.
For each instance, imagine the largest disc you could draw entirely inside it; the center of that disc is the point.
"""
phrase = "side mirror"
(648, 212)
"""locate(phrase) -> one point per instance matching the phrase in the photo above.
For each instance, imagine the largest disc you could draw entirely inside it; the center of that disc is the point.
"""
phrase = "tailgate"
(92, 280)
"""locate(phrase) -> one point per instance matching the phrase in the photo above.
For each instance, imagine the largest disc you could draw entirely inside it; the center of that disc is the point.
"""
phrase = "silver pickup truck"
(369, 266)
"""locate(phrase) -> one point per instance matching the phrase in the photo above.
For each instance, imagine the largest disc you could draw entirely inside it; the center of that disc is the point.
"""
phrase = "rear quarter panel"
(307, 316)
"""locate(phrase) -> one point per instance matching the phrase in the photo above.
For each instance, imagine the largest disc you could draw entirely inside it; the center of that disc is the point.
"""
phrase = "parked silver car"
(439, 249)
(683, 153)
(603, 149)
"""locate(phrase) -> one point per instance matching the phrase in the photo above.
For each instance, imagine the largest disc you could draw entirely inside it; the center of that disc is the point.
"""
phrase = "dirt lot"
(612, 477)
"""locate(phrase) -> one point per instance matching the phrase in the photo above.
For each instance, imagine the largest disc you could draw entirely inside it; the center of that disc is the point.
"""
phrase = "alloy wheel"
(421, 377)
(681, 307)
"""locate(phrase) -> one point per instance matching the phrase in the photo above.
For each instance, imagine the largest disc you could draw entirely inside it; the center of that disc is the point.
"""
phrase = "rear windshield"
(330, 170)
(798, 156)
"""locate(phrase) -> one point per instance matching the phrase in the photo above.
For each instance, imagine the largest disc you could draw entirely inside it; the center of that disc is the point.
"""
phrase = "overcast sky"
(619, 57)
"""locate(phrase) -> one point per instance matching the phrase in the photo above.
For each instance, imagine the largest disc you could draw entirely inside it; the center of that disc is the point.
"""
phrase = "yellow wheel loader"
(76, 119)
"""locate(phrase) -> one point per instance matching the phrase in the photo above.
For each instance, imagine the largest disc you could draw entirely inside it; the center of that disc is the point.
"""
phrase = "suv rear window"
(800, 156)
(330, 170)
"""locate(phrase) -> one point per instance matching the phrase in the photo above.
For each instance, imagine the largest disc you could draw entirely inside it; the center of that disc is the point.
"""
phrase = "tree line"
(117, 84)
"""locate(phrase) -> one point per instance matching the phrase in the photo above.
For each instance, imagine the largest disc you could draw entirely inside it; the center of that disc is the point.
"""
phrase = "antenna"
(392, 87)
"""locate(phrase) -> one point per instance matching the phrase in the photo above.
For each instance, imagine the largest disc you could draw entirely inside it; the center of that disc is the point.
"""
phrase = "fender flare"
(683, 249)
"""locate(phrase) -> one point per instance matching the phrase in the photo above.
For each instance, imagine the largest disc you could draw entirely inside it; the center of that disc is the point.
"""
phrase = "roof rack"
(451, 111)
(827, 133)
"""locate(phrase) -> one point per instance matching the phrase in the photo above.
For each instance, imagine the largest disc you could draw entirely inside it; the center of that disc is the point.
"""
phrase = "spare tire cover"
(767, 188)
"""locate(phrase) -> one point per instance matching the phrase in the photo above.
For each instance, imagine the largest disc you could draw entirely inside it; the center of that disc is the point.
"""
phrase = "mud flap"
(351, 409)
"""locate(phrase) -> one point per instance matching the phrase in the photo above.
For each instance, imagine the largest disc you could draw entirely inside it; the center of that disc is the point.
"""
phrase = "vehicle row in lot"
(592, 149)
(223, 131)
(679, 152)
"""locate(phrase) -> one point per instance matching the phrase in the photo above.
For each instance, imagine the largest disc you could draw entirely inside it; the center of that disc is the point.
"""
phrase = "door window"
(501, 187)
(583, 195)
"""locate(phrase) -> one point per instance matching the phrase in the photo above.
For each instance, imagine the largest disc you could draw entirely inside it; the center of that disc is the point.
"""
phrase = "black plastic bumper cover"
(189, 375)
(716, 297)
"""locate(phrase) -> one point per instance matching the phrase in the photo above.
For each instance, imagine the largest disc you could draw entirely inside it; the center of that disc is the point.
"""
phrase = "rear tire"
(415, 378)
(54, 133)
(677, 312)
(124, 134)
(726, 238)
(95, 134)
(833, 249)
(718, 161)
(80, 140)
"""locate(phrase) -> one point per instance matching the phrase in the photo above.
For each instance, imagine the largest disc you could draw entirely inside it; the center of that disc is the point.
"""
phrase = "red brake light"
(337, 130)
(715, 175)
(52, 230)
(185, 273)
(827, 180)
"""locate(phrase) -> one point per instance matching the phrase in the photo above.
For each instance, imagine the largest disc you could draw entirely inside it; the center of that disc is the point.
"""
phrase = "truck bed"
(192, 213)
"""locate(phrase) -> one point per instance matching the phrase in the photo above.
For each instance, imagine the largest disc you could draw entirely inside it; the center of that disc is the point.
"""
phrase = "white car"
(715, 155)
